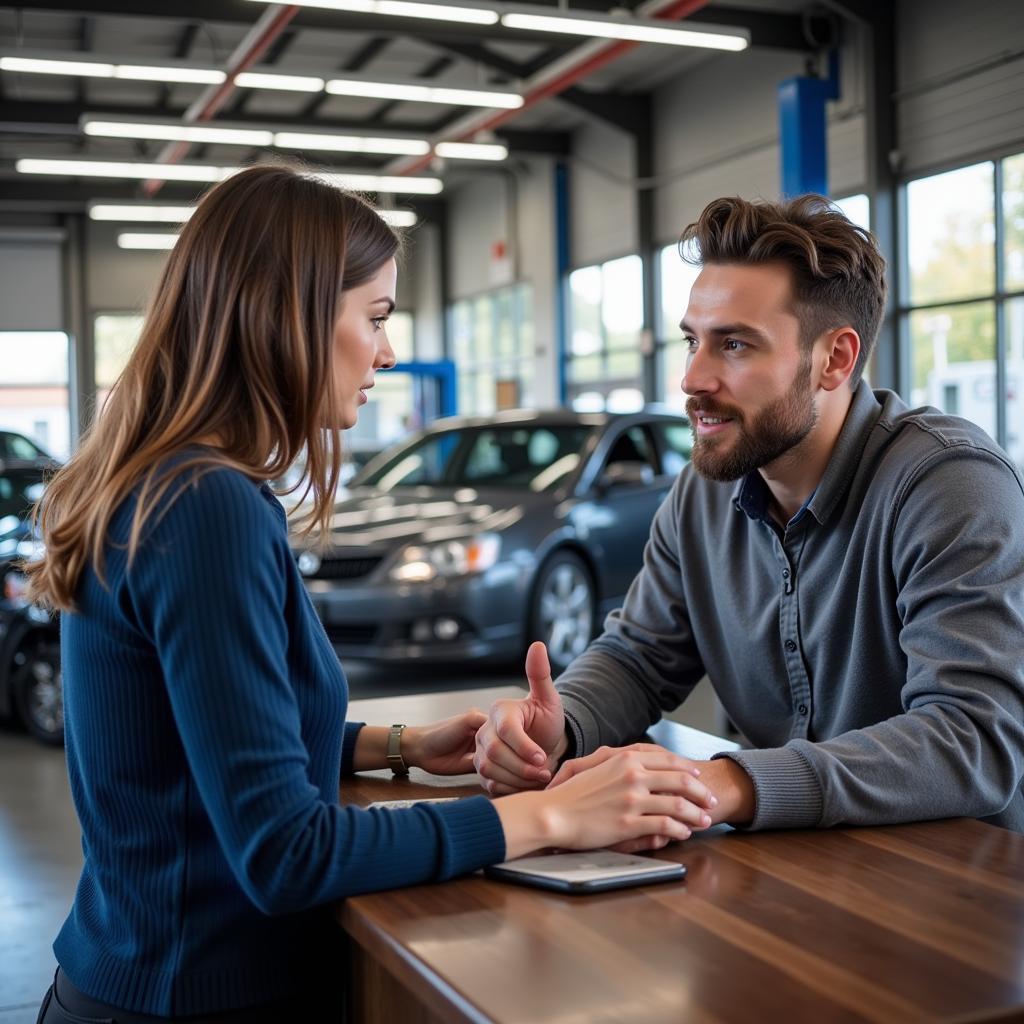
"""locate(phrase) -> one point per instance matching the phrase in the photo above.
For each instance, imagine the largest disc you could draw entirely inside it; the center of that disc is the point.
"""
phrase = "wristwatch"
(395, 762)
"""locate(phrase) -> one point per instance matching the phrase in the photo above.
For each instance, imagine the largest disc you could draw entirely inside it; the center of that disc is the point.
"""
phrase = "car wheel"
(39, 694)
(564, 608)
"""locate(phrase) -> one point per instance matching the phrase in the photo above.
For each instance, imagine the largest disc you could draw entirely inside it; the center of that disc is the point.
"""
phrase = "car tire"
(38, 694)
(563, 611)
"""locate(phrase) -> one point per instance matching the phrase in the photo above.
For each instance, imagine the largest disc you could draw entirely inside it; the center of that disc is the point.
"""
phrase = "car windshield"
(535, 457)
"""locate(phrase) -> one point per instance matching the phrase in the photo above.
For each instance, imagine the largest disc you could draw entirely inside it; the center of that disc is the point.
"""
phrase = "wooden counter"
(911, 922)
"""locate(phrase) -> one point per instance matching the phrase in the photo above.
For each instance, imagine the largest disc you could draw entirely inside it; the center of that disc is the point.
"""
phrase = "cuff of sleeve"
(474, 835)
(348, 746)
(577, 721)
(786, 790)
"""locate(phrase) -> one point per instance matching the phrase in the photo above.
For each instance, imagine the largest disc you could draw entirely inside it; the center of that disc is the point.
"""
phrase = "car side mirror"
(626, 474)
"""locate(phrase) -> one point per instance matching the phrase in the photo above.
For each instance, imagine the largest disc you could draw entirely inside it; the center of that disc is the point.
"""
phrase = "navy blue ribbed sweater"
(205, 714)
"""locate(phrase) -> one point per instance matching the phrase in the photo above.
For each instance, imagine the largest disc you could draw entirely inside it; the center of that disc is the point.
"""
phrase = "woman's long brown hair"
(236, 346)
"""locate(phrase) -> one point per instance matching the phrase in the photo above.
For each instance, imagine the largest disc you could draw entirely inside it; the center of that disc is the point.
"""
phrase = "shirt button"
(785, 574)
(802, 709)
(790, 646)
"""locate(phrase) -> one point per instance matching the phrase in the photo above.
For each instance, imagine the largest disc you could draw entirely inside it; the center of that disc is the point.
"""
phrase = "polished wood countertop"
(902, 923)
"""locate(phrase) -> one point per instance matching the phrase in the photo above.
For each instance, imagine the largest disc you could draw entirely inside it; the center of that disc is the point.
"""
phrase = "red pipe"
(210, 102)
(677, 11)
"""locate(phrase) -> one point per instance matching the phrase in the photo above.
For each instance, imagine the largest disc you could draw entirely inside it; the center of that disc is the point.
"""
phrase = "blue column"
(803, 133)
(562, 274)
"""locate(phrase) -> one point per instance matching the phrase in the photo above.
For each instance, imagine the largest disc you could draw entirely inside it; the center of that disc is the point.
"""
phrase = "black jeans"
(65, 1004)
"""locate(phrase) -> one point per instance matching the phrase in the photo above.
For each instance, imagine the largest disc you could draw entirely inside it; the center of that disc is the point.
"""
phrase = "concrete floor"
(40, 851)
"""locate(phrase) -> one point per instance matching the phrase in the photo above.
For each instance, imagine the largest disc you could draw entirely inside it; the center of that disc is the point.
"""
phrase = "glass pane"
(953, 359)
(467, 393)
(387, 416)
(678, 444)
(462, 333)
(1015, 380)
(675, 279)
(588, 401)
(1013, 221)
(585, 293)
(673, 366)
(524, 320)
(34, 388)
(622, 301)
(400, 336)
(586, 368)
(857, 209)
(951, 232)
(625, 400)
(116, 335)
(504, 324)
(624, 365)
(482, 344)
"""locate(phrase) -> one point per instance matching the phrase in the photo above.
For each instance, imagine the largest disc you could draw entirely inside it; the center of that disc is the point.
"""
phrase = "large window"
(675, 279)
(604, 361)
(34, 388)
(963, 307)
(493, 348)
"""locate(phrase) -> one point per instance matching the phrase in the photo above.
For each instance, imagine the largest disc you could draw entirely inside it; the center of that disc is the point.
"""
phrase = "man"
(849, 573)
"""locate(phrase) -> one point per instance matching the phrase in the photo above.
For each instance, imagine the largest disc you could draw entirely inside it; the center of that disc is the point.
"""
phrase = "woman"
(204, 705)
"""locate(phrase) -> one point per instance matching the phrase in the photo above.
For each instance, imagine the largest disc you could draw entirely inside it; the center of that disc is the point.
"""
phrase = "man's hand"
(519, 745)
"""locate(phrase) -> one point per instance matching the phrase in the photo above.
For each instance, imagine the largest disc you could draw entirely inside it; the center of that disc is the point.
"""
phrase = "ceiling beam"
(768, 29)
(356, 63)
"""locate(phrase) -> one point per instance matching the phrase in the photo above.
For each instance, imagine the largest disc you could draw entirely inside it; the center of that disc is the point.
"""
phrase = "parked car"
(477, 536)
(19, 451)
(30, 679)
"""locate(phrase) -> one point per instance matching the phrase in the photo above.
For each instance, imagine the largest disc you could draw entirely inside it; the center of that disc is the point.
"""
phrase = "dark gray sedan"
(477, 536)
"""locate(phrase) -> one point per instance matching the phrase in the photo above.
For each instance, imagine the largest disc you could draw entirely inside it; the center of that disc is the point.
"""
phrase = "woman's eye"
(379, 322)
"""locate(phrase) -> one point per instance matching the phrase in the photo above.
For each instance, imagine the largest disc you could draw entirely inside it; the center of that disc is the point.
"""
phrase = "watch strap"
(394, 751)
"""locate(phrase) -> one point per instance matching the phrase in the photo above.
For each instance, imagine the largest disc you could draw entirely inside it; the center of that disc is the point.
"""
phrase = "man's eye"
(733, 345)
(690, 343)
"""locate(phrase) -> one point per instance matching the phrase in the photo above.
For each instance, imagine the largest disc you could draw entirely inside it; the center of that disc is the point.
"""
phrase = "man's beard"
(775, 430)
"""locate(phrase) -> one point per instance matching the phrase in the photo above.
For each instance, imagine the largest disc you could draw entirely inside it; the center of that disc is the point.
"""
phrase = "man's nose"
(698, 377)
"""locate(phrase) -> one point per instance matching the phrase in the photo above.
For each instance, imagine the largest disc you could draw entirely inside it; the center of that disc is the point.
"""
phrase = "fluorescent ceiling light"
(288, 83)
(149, 212)
(177, 132)
(164, 73)
(41, 66)
(140, 240)
(419, 93)
(471, 150)
(121, 169)
(467, 14)
(647, 30)
(351, 143)
(398, 218)
(382, 183)
(105, 68)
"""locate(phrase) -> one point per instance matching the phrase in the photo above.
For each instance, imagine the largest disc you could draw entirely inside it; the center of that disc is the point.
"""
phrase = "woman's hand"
(642, 796)
(444, 748)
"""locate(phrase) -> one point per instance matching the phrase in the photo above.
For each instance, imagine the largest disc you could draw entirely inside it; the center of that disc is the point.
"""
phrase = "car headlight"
(419, 563)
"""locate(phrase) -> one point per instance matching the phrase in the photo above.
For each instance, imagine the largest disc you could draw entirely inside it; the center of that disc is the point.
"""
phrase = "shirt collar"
(751, 495)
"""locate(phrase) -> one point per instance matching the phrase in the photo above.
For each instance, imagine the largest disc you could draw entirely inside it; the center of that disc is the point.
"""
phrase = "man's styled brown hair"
(838, 272)
(237, 345)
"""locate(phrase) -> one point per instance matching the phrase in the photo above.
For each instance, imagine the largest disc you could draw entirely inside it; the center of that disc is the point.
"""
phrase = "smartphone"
(594, 871)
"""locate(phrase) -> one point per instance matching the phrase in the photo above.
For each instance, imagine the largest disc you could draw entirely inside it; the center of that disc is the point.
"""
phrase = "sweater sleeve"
(958, 747)
(209, 587)
(646, 661)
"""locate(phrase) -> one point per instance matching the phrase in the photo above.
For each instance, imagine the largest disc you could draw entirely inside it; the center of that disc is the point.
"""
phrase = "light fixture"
(351, 143)
(417, 92)
(90, 66)
(398, 218)
(382, 183)
(122, 169)
(149, 212)
(166, 214)
(639, 30)
(287, 83)
(145, 240)
(176, 132)
(357, 181)
(471, 150)
(466, 14)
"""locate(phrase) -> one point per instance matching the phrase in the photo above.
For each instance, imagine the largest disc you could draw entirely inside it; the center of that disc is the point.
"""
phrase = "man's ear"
(841, 348)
